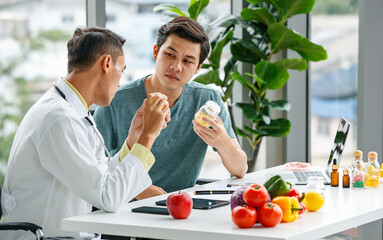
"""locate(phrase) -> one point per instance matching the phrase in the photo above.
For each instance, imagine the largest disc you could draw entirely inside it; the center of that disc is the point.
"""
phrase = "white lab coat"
(57, 168)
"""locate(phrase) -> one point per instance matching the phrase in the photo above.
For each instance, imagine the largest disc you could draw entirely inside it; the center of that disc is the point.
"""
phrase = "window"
(333, 83)
(33, 37)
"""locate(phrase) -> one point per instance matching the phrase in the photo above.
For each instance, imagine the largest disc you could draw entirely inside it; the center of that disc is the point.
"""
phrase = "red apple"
(179, 205)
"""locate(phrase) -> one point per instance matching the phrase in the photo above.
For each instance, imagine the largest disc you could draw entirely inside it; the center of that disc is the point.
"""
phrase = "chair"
(26, 226)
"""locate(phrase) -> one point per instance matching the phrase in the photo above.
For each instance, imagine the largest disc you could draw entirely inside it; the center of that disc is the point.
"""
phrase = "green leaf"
(255, 131)
(215, 56)
(277, 128)
(256, 1)
(261, 15)
(228, 92)
(229, 67)
(206, 66)
(289, 8)
(249, 110)
(258, 79)
(284, 38)
(274, 76)
(223, 22)
(196, 7)
(246, 51)
(211, 77)
(281, 105)
(294, 63)
(311, 51)
(241, 133)
(168, 7)
(246, 83)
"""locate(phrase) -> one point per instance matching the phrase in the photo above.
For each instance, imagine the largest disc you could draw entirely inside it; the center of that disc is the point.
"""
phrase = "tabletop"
(344, 208)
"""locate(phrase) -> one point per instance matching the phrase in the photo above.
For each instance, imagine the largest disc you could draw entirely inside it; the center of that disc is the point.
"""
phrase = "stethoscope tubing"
(89, 121)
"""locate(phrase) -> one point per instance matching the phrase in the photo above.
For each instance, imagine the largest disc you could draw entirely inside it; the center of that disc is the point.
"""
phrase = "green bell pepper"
(276, 186)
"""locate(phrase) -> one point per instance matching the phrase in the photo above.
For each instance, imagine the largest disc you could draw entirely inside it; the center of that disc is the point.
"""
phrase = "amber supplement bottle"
(334, 175)
(346, 179)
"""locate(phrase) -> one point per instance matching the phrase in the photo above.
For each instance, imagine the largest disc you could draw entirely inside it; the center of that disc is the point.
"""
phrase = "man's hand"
(216, 136)
(150, 192)
(137, 124)
(156, 111)
(233, 157)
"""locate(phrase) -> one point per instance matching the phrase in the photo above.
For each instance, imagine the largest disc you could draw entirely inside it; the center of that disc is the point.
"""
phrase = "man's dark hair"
(88, 44)
(188, 29)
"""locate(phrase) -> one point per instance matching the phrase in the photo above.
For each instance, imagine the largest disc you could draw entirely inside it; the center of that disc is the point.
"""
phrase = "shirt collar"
(78, 94)
(73, 99)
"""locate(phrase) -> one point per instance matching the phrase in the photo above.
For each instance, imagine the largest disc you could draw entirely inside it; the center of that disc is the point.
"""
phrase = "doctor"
(58, 165)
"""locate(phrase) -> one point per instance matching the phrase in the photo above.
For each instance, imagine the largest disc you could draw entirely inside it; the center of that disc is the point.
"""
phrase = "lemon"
(313, 201)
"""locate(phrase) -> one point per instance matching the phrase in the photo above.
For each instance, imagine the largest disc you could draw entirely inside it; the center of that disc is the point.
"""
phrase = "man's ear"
(155, 52)
(199, 67)
(107, 63)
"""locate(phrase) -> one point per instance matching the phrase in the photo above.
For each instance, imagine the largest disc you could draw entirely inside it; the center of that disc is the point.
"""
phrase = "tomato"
(269, 215)
(255, 195)
(244, 216)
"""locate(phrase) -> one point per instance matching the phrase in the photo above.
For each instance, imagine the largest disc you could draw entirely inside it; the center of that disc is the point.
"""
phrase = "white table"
(344, 209)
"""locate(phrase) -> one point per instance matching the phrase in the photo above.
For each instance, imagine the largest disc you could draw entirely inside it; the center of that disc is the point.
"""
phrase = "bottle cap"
(345, 172)
(373, 155)
(358, 154)
(334, 167)
(212, 107)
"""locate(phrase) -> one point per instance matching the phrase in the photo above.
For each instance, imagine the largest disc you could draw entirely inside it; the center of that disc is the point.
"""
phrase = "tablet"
(153, 210)
(201, 203)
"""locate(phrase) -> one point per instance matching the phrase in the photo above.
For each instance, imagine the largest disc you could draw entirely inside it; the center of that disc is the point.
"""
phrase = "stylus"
(209, 192)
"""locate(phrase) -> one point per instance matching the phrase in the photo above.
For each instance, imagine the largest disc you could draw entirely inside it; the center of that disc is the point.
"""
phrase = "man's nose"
(176, 66)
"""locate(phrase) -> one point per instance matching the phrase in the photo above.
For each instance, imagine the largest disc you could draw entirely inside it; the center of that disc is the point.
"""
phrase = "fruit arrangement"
(271, 203)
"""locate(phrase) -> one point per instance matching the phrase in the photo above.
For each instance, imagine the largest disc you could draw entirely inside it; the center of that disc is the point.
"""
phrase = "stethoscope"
(89, 121)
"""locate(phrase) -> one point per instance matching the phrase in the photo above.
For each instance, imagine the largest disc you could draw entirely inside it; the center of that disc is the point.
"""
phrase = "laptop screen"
(338, 145)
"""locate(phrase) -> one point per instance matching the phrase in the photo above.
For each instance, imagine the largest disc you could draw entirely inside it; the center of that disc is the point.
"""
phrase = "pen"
(209, 192)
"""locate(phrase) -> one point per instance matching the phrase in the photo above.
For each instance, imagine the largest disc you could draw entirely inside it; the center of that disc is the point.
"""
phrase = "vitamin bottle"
(346, 179)
(358, 177)
(334, 175)
(209, 110)
(372, 170)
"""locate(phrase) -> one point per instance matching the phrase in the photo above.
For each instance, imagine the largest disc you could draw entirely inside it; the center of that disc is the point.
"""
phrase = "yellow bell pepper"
(290, 207)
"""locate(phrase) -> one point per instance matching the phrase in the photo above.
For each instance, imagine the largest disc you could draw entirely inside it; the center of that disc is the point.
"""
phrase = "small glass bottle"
(346, 179)
(334, 175)
(372, 170)
(358, 159)
(358, 177)
(209, 110)
(381, 174)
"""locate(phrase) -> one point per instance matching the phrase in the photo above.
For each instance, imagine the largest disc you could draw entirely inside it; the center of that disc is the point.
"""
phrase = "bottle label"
(358, 184)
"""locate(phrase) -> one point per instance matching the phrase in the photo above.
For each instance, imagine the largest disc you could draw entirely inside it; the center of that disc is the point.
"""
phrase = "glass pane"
(136, 22)
(33, 37)
(334, 82)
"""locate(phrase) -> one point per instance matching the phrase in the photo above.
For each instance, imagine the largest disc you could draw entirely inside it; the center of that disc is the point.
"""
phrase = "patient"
(182, 46)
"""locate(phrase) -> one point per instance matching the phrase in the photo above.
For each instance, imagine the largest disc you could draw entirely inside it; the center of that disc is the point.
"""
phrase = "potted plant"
(264, 21)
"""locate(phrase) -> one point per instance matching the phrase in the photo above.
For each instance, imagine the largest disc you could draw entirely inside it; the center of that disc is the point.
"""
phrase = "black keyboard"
(302, 175)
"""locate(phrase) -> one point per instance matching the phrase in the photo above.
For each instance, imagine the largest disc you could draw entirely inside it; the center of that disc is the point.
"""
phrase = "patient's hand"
(150, 192)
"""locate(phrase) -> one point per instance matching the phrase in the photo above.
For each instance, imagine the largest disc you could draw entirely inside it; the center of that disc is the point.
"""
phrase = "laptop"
(300, 177)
